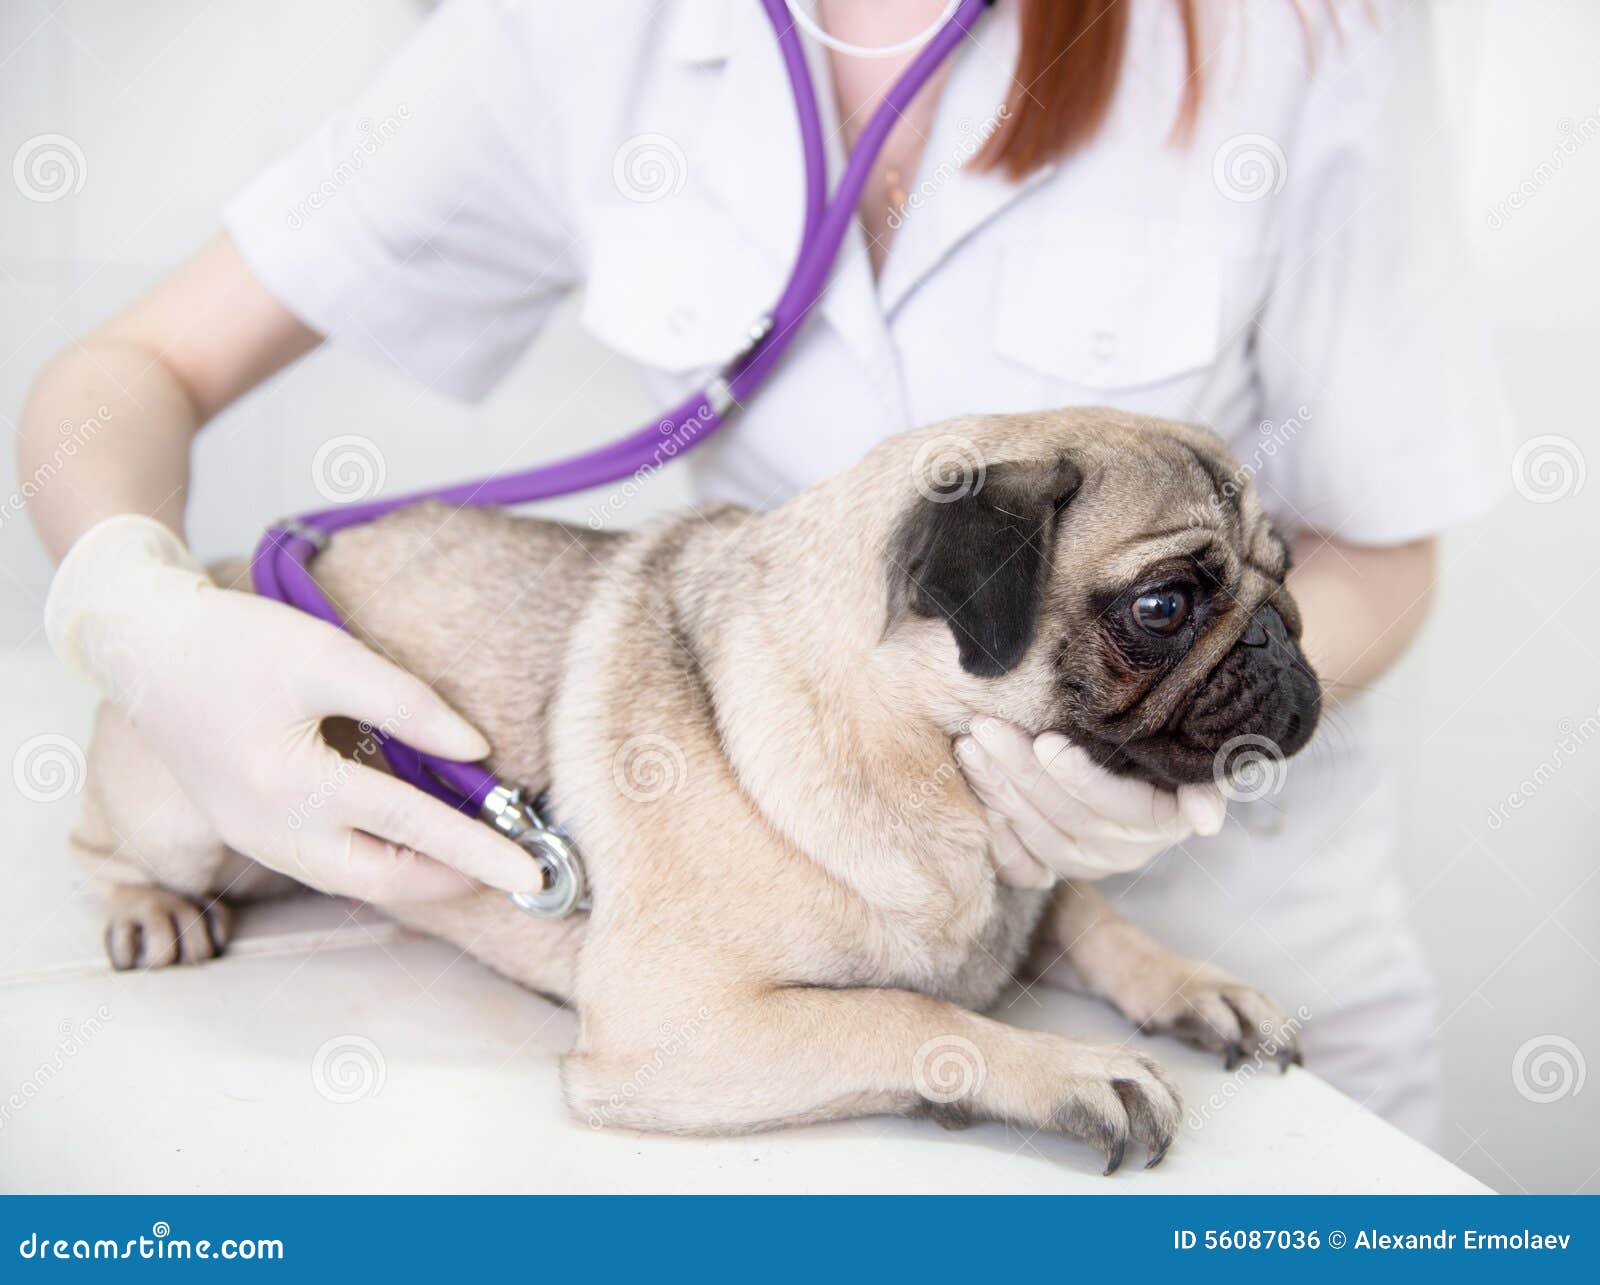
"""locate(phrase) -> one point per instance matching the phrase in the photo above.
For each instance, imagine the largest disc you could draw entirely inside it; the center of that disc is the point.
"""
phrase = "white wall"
(175, 104)
(1503, 696)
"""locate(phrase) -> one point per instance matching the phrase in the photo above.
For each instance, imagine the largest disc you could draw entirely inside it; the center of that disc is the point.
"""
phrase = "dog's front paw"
(1210, 1009)
(1112, 1094)
(151, 928)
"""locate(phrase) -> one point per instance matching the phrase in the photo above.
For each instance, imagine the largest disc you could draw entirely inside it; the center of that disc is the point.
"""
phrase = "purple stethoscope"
(281, 568)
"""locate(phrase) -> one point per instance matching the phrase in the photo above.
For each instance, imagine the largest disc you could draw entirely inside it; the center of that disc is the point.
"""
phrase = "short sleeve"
(422, 225)
(1372, 349)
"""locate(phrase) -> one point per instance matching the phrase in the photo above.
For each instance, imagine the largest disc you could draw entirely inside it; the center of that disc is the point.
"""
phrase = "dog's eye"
(1162, 612)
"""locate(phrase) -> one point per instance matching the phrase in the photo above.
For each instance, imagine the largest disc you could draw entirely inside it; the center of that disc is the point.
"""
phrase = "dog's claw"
(1159, 1155)
(152, 927)
(1142, 1105)
(1209, 1009)
(1114, 1156)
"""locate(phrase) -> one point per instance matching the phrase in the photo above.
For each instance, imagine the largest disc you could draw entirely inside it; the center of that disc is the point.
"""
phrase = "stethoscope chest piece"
(565, 889)
(281, 569)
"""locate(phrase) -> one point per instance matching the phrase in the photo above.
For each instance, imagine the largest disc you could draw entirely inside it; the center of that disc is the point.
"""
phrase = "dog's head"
(1106, 575)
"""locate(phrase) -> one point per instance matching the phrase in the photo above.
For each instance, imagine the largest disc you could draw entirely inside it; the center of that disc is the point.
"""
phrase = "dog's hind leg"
(148, 925)
(1084, 946)
(161, 865)
(755, 1060)
(541, 954)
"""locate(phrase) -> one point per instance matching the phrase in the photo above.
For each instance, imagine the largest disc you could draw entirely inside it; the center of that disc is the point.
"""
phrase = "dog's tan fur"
(751, 744)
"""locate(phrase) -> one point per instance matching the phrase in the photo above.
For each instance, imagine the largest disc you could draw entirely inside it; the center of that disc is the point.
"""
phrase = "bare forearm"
(108, 426)
(106, 430)
(1362, 606)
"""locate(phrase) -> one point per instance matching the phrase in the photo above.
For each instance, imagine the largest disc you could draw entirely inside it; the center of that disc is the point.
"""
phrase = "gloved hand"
(229, 690)
(1057, 814)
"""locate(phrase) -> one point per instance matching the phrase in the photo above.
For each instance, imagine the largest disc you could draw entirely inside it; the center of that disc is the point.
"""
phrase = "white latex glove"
(229, 690)
(1057, 814)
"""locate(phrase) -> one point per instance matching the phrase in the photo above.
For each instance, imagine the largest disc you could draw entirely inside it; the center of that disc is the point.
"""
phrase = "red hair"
(1068, 65)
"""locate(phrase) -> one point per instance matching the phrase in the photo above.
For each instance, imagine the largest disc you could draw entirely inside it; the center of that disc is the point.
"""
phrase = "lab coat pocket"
(671, 287)
(1110, 304)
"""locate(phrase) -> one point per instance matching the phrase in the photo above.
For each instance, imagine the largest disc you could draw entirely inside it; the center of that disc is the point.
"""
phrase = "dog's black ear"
(978, 558)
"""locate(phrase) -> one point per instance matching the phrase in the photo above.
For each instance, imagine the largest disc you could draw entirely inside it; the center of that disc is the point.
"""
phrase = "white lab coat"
(1284, 277)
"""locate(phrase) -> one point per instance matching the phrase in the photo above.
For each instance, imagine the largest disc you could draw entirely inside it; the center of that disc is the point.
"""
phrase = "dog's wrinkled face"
(1122, 585)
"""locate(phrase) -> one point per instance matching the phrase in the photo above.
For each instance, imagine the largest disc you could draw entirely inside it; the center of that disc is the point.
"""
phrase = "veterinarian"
(1179, 208)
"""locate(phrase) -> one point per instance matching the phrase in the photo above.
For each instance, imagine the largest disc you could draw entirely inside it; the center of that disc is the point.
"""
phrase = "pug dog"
(744, 720)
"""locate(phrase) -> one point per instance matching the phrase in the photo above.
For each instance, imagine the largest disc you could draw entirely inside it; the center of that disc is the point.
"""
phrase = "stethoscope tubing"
(281, 566)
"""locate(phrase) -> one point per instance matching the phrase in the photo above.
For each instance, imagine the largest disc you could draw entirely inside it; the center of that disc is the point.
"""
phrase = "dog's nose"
(1265, 625)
